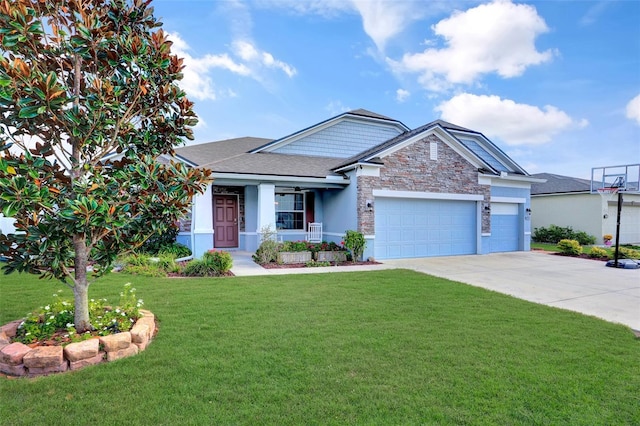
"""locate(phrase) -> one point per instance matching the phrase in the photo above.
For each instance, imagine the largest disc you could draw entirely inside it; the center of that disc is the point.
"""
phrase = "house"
(436, 190)
(568, 201)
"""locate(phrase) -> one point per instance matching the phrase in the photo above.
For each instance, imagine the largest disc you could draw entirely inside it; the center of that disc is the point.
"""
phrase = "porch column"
(202, 223)
(266, 208)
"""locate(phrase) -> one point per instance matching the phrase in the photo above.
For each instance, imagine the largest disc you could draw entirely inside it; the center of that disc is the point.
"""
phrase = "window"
(290, 211)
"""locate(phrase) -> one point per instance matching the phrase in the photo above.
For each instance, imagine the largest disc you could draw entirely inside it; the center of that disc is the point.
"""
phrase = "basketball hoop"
(607, 195)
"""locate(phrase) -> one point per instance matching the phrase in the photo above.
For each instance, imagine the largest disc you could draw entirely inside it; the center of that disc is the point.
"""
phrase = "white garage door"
(422, 228)
(505, 227)
(629, 224)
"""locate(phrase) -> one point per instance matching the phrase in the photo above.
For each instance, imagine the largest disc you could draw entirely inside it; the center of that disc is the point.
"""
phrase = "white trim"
(426, 195)
(513, 200)
(258, 179)
(368, 170)
(486, 234)
(527, 233)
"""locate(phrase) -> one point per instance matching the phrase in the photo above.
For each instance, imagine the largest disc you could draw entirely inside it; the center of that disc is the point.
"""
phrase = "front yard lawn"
(382, 347)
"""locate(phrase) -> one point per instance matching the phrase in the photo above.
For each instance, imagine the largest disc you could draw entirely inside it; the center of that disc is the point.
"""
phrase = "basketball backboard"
(624, 178)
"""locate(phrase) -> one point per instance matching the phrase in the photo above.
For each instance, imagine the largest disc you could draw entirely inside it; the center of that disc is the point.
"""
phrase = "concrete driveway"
(581, 285)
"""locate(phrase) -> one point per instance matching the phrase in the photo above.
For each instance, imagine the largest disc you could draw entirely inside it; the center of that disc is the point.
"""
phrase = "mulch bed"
(303, 265)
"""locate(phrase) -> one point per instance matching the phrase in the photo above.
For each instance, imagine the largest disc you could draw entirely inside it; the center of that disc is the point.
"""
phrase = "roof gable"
(471, 145)
(339, 137)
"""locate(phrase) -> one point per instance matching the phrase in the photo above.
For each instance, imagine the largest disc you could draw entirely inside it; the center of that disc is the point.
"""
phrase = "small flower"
(46, 308)
(70, 324)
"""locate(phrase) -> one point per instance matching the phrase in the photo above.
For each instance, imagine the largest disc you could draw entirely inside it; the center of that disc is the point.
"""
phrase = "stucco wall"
(582, 212)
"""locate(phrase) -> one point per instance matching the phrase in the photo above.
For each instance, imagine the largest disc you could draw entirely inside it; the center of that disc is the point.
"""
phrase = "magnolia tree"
(81, 82)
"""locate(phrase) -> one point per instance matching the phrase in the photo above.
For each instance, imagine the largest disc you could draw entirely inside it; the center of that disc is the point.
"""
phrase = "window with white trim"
(290, 211)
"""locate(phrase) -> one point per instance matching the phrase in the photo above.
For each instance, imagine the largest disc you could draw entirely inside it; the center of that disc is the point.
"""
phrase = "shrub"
(158, 242)
(627, 253)
(268, 250)
(176, 249)
(294, 246)
(570, 247)
(58, 316)
(355, 242)
(148, 266)
(598, 253)
(214, 263)
(313, 263)
(555, 233)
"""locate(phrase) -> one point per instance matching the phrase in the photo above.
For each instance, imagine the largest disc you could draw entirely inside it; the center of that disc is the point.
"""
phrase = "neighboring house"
(436, 190)
(568, 201)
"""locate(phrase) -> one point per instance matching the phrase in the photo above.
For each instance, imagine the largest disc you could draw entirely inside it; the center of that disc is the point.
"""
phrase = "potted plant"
(294, 252)
(607, 239)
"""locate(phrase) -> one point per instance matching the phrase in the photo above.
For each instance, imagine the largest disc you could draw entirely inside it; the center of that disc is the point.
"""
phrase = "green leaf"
(31, 111)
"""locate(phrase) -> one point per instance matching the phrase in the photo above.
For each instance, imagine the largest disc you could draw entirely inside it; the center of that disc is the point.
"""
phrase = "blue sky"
(556, 84)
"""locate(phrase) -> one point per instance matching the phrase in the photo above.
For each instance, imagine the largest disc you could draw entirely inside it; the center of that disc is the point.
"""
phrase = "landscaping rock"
(13, 353)
(140, 335)
(82, 350)
(4, 340)
(39, 371)
(11, 328)
(150, 322)
(122, 353)
(14, 370)
(115, 342)
(43, 357)
(97, 359)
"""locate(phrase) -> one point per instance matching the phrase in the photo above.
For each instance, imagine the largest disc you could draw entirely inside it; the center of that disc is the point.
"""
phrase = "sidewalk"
(244, 266)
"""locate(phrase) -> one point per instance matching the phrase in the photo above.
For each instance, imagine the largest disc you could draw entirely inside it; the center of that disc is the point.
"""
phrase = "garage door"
(421, 228)
(505, 227)
(629, 224)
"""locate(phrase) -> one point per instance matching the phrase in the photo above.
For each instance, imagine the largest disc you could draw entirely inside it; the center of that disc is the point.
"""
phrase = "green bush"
(176, 249)
(57, 318)
(355, 242)
(627, 253)
(598, 253)
(555, 233)
(268, 250)
(158, 242)
(149, 266)
(570, 247)
(214, 263)
(295, 246)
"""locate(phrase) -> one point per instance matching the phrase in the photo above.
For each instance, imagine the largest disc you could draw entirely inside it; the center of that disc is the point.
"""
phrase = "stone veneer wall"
(411, 169)
(18, 359)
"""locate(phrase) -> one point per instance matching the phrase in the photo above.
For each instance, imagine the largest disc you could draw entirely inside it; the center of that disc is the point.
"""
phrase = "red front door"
(225, 220)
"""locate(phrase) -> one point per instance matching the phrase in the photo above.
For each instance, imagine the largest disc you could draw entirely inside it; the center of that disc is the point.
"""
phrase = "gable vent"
(433, 151)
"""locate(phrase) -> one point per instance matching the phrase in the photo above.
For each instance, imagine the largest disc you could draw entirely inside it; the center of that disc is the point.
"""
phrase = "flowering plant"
(56, 319)
(607, 237)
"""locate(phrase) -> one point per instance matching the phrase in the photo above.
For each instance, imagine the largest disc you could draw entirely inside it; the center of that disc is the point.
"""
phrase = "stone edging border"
(18, 359)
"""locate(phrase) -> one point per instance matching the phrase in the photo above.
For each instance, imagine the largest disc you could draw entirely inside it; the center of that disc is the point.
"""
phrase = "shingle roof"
(232, 156)
(558, 184)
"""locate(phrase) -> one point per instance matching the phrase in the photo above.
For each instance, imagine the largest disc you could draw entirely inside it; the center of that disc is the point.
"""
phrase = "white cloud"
(197, 82)
(336, 108)
(402, 95)
(383, 19)
(515, 124)
(249, 53)
(633, 109)
(498, 37)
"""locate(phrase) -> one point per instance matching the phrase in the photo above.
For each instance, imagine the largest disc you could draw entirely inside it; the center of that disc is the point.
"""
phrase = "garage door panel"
(504, 233)
(420, 228)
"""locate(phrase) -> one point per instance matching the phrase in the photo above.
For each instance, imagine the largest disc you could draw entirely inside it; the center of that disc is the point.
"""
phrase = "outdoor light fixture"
(487, 207)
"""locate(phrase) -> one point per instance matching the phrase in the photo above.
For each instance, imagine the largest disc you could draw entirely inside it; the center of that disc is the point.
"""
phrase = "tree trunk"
(81, 287)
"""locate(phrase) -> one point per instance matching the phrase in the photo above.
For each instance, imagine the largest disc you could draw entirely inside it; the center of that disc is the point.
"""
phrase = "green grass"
(384, 347)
